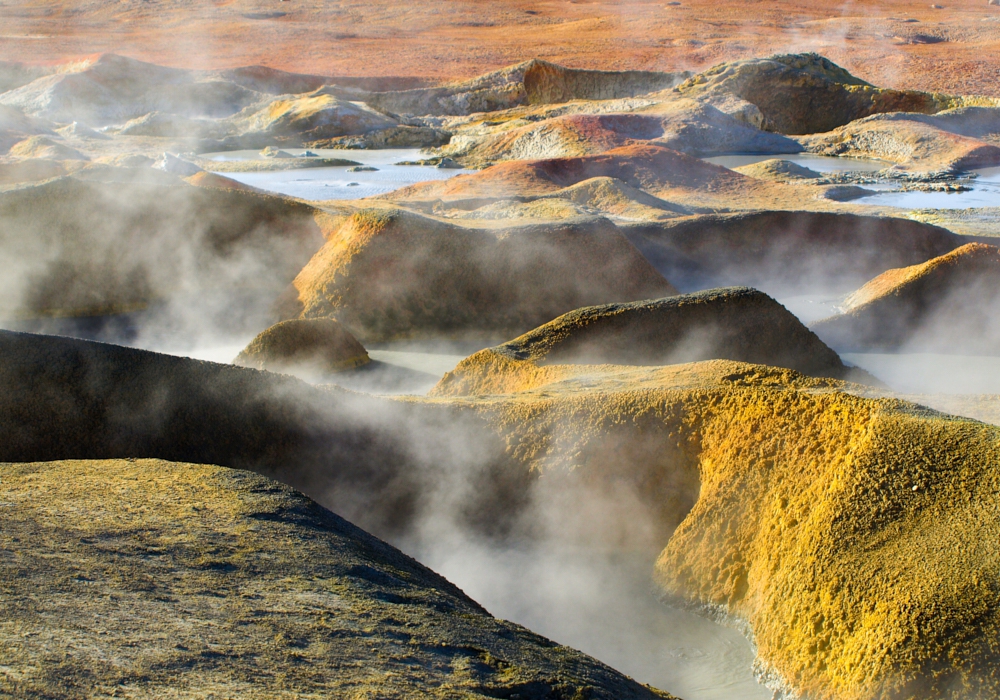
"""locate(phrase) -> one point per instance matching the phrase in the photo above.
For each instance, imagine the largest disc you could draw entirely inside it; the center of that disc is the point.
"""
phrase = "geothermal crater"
(358, 386)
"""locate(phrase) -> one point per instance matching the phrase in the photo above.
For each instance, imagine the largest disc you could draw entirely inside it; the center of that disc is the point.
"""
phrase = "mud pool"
(821, 164)
(318, 184)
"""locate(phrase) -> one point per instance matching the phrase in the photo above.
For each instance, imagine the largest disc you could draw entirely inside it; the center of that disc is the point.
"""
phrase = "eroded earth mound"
(947, 304)
(786, 251)
(737, 323)
(310, 346)
(387, 273)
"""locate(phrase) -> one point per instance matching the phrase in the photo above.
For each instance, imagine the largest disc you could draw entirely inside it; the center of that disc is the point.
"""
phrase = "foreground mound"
(735, 324)
(949, 304)
(786, 251)
(309, 346)
(803, 94)
(224, 582)
(855, 537)
(388, 274)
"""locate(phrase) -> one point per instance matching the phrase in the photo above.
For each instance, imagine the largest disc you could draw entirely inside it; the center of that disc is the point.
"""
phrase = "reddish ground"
(955, 48)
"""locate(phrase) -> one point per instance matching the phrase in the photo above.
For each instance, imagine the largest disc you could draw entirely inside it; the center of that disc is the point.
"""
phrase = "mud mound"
(116, 241)
(389, 274)
(739, 324)
(310, 117)
(163, 125)
(531, 82)
(683, 125)
(786, 251)
(646, 167)
(851, 535)
(777, 169)
(16, 126)
(292, 584)
(547, 83)
(805, 93)
(310, 346)
(910, 143)
(949, 304)
(44, 147)
(112, 89)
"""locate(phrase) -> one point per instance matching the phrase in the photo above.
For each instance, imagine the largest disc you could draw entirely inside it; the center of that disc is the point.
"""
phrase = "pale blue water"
(317, 184)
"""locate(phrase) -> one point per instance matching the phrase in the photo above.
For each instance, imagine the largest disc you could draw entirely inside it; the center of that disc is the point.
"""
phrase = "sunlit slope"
(948, 304)
(388, 273)
(152, 579)
(857, 537)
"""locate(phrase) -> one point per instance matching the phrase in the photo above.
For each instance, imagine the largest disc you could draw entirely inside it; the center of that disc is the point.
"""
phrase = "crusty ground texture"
(856, 537)
(152, 579)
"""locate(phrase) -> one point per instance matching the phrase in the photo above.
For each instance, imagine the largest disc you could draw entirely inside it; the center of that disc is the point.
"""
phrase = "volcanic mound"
(738, 324)
(786, 251)
(683, 125)
(642, 166)
(948, 304)
(910, 141)
(304, 346)
(111, 240)
(391, 274)
(210, 575)
(804, 93)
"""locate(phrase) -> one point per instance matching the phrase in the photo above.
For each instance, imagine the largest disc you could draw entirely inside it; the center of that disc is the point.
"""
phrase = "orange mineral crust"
(949, 47)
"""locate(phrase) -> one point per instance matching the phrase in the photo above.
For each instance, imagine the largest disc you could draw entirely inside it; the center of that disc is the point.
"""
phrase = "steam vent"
(605, 350)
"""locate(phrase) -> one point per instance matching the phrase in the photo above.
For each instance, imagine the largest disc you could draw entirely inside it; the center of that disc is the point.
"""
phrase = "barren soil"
(952, 49)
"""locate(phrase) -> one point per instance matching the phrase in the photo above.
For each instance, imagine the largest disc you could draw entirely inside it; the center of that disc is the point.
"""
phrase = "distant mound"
(111, 89)
(642, 166)
(304, 346)
(911, 141)
(117, 239)
(804, 93)
(310, 117)
(738, 324)
(531, 82)
(785, 252)
(684, 125)
(393, 274)
(44, 147)
(171, 552)
(777, 169)
(948, 304)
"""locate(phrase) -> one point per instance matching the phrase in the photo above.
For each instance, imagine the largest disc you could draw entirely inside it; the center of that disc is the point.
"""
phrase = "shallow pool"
(337, 182)
(984, 192)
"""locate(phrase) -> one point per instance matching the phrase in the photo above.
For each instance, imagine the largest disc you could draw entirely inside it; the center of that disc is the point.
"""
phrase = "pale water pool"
(318, 184)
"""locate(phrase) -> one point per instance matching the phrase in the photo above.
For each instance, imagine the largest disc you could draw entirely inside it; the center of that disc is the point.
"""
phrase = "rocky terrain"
(569, 308)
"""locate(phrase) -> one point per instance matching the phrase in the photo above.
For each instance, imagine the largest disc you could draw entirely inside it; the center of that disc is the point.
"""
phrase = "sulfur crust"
(856, 537)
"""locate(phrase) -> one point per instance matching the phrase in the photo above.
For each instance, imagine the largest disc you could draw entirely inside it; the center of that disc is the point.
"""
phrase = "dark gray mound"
(736, 323)
(786, 252)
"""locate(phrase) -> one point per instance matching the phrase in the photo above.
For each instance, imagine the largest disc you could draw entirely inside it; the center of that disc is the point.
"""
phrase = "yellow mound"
(857, 539)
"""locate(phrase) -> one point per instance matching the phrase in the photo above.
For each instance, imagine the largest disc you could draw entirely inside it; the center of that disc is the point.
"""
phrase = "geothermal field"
(556, 350)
